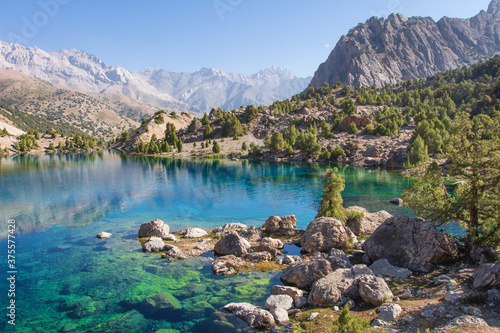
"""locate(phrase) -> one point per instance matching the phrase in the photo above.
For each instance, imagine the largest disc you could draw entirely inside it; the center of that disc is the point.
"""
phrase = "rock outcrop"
(411, 243)
(227, 265)
(398, 48)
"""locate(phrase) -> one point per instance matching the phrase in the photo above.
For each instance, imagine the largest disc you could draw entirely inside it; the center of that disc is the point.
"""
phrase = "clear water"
(68, 280)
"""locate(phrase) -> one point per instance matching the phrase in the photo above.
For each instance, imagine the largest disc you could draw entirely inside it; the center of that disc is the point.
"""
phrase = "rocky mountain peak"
(494, 8)
(398, 48)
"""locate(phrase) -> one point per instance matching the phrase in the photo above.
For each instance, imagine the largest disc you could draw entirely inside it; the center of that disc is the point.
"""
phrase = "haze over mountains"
(382, 51)
(197, 92)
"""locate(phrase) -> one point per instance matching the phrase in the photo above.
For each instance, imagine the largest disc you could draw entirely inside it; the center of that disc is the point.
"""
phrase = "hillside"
(196, 92)
(387, 51)
(98, 114)
(390, 128)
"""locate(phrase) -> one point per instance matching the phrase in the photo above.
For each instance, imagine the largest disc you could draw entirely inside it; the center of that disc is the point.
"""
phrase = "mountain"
(99, 114)
(383, 51)
(196, 92)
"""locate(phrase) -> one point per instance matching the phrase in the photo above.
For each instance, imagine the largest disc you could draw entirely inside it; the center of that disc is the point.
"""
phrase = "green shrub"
(354, 216)
(346, 323)
(352, 129)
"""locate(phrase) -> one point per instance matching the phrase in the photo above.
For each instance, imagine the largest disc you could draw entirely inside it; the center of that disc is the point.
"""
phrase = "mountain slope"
(196, 92)
(381, 51)
(98, 114)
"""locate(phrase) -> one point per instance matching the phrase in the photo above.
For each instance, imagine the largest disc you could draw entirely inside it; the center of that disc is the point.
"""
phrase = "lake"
(69, 281)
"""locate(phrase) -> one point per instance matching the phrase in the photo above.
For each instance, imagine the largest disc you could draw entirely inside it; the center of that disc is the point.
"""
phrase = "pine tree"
(331, 200)
(418, 151)
(475, 204)
(216, 148)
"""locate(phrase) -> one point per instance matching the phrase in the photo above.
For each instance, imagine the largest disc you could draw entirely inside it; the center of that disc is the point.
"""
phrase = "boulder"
(232, 243)
(487, 276)
(195, 233)
(389, 312)
(286, 290)
(304, 274)
(154, 244)
(360, 122)
(384, 268)
(338, 259)
(251, 234)
(373, 290)
(289, 260)
(396, 201)
(464, 323)
(370, 222)
(195, 125)
(372, 152)
(323, 234)
(250, 314)
(300, 301)
(271, 245)
(103, 235)
(279, 301)
(411, 243)
(228, 227)
(327, 291)
(276, 224)
(280, 315)
(227, 265)
(155, 228)
(259, 256)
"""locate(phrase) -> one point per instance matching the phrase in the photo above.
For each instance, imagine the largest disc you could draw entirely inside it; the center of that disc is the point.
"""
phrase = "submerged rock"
(155, 228)
(163, 306)
(323, 234)
(227, 265)
(411, 243)
(250, 314)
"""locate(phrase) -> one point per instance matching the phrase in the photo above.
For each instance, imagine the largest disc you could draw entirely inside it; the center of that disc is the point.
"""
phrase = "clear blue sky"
(240, 36)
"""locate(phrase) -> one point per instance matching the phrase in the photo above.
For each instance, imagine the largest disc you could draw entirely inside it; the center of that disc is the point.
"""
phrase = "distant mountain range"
(196, 92)
(383, 51)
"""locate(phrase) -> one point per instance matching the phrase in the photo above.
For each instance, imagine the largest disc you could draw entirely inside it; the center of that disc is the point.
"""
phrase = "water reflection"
(76, 190)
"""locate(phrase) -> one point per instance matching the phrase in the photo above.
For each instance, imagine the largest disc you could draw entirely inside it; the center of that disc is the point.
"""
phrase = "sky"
(241, 36)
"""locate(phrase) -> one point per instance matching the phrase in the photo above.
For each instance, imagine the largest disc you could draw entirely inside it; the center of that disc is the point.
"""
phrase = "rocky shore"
(399, 273)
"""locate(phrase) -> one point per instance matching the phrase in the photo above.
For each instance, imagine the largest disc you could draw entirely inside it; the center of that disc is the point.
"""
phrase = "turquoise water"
(68, 280)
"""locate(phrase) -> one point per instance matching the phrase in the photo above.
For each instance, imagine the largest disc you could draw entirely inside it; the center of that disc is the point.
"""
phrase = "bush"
(354, 216)
(244, 146)
(216, 148)
(346, 323)
(338, 151)
(159, 119)
(352, 129)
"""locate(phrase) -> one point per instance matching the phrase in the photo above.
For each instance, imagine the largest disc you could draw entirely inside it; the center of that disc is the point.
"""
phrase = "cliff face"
(383, 51)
